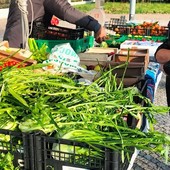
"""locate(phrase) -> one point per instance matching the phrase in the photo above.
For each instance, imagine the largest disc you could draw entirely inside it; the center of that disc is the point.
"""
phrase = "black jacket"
(45, 9)
(164, 45)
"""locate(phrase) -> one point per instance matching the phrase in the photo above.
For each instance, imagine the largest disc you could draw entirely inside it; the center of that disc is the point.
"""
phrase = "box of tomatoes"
(143, 29)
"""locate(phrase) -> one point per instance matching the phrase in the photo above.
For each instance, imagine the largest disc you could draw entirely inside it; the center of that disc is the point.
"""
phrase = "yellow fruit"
(130, 35)
(104, 44)
(84, 66)
(97, 68)
(117, 35)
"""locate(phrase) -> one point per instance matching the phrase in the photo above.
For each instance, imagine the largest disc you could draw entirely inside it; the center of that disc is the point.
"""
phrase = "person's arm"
(162, 54)
(63, 10)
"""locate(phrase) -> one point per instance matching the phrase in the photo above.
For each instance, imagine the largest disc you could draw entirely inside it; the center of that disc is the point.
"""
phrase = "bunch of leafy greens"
(6, 162)
(93, 114)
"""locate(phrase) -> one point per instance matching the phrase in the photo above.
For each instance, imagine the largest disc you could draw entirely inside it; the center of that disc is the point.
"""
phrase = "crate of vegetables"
(143, 29)
(95, 59)
(63, 154)
(79, 45)
(83, 125)
(69, 152)
(53, 32)
(14, 56)
(16, 149)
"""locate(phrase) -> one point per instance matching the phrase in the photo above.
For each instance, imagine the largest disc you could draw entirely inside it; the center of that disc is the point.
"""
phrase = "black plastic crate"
(142, 86)
(61, 33)
(68, 153)
(40, 31)
(58, 159)
(20, 146)
(118, 21)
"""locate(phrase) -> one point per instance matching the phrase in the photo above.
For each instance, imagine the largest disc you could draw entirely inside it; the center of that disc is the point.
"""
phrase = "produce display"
(146, 28)
(146, 31)
(97, 115)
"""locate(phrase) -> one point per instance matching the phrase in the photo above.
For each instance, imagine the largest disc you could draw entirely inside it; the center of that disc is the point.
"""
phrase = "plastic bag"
(64, 59)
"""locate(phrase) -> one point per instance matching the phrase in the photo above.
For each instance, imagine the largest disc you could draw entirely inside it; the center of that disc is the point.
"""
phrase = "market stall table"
(151, 45)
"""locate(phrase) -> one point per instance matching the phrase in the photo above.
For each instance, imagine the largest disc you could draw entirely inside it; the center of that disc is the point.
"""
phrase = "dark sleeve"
(13, 30)
(63, 10)
(13, 33)
(164, 45)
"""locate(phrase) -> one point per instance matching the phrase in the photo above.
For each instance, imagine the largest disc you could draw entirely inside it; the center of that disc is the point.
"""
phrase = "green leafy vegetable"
(6, 162)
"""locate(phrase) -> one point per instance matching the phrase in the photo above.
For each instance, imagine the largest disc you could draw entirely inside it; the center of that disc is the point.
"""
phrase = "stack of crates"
(144, 29)
(54, 35)
(138, 60)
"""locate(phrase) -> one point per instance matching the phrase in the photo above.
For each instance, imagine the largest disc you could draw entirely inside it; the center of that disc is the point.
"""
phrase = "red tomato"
(1, 68)
(10, 63)
(5, 64)
(13, 63)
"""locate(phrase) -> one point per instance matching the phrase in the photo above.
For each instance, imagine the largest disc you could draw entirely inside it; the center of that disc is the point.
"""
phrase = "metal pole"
(99, 4)
(132, 10)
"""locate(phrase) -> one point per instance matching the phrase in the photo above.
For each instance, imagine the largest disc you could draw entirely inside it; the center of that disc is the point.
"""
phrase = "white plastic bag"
(64, 59)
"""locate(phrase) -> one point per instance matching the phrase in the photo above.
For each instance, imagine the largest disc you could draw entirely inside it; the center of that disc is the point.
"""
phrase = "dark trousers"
(167, 85)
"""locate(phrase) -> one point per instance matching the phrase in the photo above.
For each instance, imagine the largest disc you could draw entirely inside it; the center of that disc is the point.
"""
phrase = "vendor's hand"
(100, 35)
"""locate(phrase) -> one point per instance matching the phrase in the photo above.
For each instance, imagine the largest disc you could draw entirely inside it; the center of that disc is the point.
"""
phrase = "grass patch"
(123, 8)
(4, 6)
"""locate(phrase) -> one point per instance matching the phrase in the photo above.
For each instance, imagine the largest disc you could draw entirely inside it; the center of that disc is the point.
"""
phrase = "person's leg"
(167, 85)
(166, 68)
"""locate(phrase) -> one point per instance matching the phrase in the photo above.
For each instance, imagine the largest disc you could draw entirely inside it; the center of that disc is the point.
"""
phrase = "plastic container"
(62, 154)
(80, 45)
(61, 33)
(135, 30)
(20, 145)
(115, 40)
(36, 151)
(57, 158)
(40, 31)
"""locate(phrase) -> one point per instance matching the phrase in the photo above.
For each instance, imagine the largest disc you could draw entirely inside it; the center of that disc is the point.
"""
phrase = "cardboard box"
(134, 52)
(130, 81)
(134, 44)
(133, 70)
(140, 56)
(97, 55)
(15, 54)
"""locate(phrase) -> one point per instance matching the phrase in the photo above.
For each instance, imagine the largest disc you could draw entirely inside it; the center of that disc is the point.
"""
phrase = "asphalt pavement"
(145, 160)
